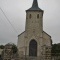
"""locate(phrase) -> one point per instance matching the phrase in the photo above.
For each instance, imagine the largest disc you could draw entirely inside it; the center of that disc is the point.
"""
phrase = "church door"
(33, 48)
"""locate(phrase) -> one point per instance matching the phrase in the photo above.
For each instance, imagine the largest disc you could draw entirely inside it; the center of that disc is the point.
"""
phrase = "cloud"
(15, 11)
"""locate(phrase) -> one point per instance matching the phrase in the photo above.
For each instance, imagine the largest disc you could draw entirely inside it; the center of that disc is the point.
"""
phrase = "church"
(34, 43)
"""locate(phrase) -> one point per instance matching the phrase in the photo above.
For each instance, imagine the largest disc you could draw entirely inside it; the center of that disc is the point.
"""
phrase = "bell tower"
(34, 20)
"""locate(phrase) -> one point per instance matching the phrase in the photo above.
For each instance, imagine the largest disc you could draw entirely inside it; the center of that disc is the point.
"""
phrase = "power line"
(9, 21)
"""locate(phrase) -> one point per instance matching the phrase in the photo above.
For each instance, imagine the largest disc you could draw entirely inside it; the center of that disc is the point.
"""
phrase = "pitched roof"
(34, 7)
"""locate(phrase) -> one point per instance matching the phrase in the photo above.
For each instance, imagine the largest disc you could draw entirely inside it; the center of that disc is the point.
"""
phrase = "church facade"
(34, 43)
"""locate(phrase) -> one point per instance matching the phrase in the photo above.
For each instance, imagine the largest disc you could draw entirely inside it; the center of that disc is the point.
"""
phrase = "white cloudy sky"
(15, 12)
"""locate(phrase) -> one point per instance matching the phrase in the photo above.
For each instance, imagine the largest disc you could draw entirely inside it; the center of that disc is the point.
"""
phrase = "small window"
(37, 15)
(30, 16)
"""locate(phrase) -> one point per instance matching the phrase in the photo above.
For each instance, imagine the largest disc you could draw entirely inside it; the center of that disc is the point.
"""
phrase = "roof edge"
(47, 34)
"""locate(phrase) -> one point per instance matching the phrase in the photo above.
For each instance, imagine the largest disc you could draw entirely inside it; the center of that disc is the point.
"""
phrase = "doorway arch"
(33, 48)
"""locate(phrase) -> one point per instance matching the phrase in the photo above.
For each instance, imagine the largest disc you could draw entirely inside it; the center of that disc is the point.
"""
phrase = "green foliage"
(56, 49)
(14, 48)
(1, 46)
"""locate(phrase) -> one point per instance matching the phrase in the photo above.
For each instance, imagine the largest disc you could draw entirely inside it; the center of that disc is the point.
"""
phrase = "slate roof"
(34, 7)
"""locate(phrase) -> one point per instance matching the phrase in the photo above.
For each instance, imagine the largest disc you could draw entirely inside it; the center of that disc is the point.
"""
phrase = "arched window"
(30, 16)
(37, 15)
(33, 48)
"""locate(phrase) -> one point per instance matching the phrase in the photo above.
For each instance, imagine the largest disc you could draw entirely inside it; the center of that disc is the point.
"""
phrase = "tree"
(14, 48)
(55, 49)
(1, 46)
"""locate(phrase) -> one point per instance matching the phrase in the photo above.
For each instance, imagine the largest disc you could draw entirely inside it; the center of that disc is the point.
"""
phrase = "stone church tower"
(34, 43)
